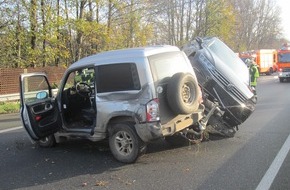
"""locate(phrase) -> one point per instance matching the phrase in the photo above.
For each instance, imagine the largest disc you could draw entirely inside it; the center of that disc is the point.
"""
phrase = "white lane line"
(10, 129)
(271, 173)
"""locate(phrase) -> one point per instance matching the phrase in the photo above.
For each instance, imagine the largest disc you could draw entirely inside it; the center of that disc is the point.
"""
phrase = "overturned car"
(224, 79)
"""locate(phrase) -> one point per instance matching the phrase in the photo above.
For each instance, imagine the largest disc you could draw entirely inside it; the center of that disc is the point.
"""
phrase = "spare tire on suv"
(182, 93)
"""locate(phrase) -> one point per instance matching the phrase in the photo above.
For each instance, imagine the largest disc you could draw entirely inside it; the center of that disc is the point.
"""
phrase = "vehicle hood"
(237, 76)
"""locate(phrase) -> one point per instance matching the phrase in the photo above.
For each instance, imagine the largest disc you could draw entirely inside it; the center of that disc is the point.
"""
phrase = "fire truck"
(246, 55)
(266, 60)
(283, 62)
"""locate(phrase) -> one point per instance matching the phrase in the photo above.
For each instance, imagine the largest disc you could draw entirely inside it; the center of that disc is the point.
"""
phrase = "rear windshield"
(167, 64)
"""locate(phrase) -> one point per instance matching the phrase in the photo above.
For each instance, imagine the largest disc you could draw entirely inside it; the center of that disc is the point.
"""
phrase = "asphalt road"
(9, 121)
(221, 164)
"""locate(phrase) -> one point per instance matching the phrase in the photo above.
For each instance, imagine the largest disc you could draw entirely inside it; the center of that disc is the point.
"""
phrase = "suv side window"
(85, 75)
(34, 85)
(167, 64)
(117, 77)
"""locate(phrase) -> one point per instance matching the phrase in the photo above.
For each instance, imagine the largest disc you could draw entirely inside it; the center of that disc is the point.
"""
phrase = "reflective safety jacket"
(254, 73)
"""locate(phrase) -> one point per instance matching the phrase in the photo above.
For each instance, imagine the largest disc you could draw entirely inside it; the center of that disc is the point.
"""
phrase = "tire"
(271, 71)
(281, 79)
(47, 142)
(182, 93)
(125, 145)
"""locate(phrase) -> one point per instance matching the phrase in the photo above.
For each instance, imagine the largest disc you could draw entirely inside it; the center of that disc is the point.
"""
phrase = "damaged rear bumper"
(154, 130)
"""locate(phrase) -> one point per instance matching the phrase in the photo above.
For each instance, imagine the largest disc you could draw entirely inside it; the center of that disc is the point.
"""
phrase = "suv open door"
(39, 111)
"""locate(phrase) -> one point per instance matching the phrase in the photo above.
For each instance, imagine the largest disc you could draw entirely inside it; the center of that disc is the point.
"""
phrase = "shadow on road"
(24, 165)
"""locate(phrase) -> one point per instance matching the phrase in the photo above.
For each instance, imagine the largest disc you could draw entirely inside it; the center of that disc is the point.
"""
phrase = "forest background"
(40, 33)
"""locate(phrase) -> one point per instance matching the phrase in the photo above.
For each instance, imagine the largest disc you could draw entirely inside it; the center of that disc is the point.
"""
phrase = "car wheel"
(47, 142)
(182, 93)
(271, 71)
(125, 144)
(281, 79)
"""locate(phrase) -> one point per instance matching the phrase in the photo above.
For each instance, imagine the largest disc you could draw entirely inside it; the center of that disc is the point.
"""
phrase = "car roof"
(118, 55)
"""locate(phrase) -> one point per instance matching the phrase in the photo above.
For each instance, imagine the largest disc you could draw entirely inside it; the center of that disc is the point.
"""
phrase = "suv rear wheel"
(281, 79)
(124, 143)
(182, 93)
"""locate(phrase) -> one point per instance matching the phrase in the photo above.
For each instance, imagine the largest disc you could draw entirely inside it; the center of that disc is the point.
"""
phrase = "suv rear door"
(39, 112)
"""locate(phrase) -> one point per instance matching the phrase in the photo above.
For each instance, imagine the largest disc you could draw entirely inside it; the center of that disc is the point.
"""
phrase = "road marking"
(10, 129)
(272, 171)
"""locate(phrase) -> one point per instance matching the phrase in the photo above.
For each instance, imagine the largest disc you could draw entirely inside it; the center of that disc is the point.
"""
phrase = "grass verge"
(9, 107)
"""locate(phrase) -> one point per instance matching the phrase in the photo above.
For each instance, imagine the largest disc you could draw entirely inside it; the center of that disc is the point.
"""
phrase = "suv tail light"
(152, 110)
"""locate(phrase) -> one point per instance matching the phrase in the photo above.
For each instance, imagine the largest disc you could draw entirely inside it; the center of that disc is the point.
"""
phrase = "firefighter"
(254, 74)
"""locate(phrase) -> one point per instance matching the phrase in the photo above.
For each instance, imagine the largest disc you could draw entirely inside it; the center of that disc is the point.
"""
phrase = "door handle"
(48, 106)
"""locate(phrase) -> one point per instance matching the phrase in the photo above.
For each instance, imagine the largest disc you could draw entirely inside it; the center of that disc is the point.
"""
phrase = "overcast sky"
(285, 14)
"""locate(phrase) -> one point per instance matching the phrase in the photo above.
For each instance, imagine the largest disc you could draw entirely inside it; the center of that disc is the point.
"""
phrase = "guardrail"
(10, 97)
(16, 96)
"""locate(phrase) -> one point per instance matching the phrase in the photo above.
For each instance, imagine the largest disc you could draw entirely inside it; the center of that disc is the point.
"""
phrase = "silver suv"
(130, 97)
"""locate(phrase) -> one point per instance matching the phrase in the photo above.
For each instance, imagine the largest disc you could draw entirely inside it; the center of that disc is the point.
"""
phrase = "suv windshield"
(166, 64)
(228, 57)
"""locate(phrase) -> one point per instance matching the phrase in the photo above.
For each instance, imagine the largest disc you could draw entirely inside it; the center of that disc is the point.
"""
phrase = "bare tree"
(69, 31)
(258, 22)
(42, 4)
(79, 39)
(18, 37)
(33, 26)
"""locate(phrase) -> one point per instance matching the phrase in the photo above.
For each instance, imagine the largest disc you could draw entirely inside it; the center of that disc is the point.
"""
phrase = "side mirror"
(41, 95)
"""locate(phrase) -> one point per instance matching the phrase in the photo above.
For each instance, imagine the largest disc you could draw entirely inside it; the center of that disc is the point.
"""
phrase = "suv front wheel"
(47, 142)
(124, 143)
